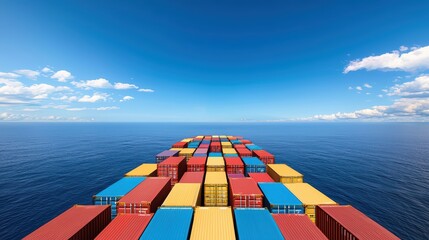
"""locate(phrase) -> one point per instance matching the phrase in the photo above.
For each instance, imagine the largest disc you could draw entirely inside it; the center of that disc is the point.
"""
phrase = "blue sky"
(214, 61)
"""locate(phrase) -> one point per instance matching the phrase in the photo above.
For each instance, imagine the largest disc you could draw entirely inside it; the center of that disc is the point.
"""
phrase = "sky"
(214, 61)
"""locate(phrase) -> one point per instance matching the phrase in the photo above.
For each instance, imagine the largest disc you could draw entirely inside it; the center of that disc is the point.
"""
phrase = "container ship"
(212, 187)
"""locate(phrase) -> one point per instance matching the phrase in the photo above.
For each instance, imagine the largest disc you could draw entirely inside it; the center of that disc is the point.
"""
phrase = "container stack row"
(212, 187)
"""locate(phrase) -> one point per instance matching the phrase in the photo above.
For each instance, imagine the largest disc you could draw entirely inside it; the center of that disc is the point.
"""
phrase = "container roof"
(213, 223)
(284, 170)
(298, 227)
(146, 169)
(277, 194)
(256, 223)
(183, 195)
(121, 187)
(215, 178)
(126, 226)
(308, 195)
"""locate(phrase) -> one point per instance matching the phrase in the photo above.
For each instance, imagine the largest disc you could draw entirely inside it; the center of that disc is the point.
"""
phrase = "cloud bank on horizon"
(411, 102)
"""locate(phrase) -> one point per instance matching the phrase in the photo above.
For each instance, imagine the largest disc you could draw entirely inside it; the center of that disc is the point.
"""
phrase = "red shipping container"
(234, 165)
(206, 145)
(232, 138)
(244, 152)
(244, 141)
(215, 139)
(126, 226)
(346, 222)
(192, 177)
(266, 157)
(215, 147)
(78, 222)
(197, 164)
(146, 197)
(245, 193)
(261, 177)
(180, 145)
(173, 167)
(239, 137)
(207, 137)
(236, 146)
(235, 175)
(298, 227)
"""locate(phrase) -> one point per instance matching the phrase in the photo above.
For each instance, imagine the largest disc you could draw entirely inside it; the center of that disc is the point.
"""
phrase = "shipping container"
(146, 197)
(76, 223)
(230, 155)
(166, 154)
(215, 146)
(215, 189)
(261, 177)
(236, 146)
(252, 147)
(298, 227)
(278, 199)
(253, 164)
(187, 152)
(245, 141)
(229, 151)
(176, 149)
(205, 145)
(202, 150)
(186, 140)
(234, 165)
(284, 174)
(173, 167)
(346, 222)
(125, 227)
(245, 193)
(235, 175)
(180, 145)
(235, 142)
(256, 223)
(265, 156)
(215, 154)
(215, 164)
(213, 223)
(168, 224)
(244, 152)
(197, 164)
(310, 197)
(114, 192)
(144, 170)
(226, 145)
(184, 195)
(192, 177)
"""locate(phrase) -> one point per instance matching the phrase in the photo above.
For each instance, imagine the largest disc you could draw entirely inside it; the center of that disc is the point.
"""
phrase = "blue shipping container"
(205, 142)
(169, 223)
(230, 155)
(215, 154)
(114, 192)
(235, 142)
(256, 223)
(253, 165)
(253, 147)
(278, 199)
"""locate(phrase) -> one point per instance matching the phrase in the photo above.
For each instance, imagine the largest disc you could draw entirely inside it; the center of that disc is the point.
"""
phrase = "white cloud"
(359, 88)
(76, 109)
(107, 108)
(145, 90)
(126, 98)
(367, 85)
(419, 87)
(403, 48)
(94, 98)
(97, 83)
(28, 73)
(416, 59)
(62, 76)
(8, 75)
(380, 95)
(46, 70)
(350, 88)
(124, 86)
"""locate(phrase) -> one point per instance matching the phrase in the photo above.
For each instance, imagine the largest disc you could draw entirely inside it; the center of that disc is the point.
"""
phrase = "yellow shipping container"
(215, 189)
(177, 149)
(284, 174)
(310, 197)
(212, 223)
(226, 145)
(199, 136)
(187, 152)
(215, 164)
(187, 140)
(144, 170)
(184, 195)
(229, 151)
(215, 136)
(222, 136)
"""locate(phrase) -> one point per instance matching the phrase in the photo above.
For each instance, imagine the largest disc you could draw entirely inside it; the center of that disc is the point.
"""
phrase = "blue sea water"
(380, 168)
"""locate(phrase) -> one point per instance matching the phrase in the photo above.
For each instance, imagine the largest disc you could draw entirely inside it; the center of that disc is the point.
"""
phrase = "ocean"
(380, 168)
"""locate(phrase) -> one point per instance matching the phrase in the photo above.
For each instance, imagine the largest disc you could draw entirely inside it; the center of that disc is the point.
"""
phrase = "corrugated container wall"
(213, 223)
(245, 193)
(166, 154)
(168, 224)
(298, 227)
(187, 153)
(256, 223)
(215, 164)
(172, 167)
(234, 165)
(145, 197)
(284, 174)
(125, 227)
(197, 164)
(116, 191)
(76, 223)
(265, 156)
(253, 164)
(215, 189)
(346, 222)
(278, 199)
